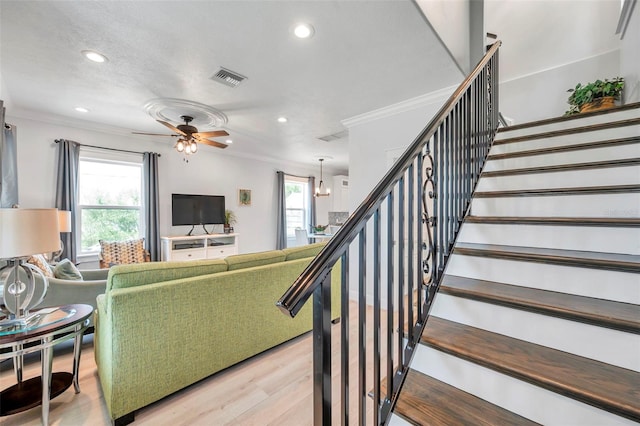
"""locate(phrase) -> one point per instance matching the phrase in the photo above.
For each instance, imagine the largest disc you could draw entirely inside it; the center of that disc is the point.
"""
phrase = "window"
(296, 192)
(109, 200)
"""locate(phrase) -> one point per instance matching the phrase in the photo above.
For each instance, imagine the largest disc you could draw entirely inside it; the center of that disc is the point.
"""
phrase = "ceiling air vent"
(335, 136)
(228, 77)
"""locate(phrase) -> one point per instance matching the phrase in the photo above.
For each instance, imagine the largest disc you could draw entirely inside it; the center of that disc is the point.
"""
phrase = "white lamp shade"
(64, 220)
(24, 232)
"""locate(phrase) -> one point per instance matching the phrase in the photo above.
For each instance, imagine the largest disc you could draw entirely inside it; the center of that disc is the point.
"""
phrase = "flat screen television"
(188, 209)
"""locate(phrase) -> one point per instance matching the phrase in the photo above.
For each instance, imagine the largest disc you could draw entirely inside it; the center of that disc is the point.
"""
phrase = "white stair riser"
(600, 239)
(571, 139)
(628, 175)
(623, 205)
(532, 402)
(614, 347)
(572, 157)
(596, 283)
(397, 421)
(571, 124)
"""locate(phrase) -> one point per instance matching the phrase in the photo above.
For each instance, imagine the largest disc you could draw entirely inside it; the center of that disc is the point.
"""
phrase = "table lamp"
(24, 232)
(64, 225)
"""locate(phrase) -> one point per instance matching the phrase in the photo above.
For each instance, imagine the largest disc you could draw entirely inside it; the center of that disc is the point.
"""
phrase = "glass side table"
(44, 329)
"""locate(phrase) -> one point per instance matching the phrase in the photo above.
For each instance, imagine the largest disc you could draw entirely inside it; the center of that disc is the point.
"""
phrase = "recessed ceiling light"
(81, 109)
(228, 141)
(303, 30)
(282, 119)
(94, 56)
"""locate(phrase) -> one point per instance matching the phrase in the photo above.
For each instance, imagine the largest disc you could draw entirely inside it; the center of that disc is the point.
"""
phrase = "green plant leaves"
(581, 95)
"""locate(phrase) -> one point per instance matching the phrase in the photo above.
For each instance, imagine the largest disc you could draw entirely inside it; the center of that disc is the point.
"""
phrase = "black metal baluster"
(390, 375)
(400, 241)
(322, 352)
(376, 316)
(420, 271)
(410, 239)
(344, 335)
(362, 335)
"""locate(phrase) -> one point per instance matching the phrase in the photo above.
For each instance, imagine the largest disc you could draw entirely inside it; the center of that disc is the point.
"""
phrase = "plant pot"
(227, 229)
(599, 104)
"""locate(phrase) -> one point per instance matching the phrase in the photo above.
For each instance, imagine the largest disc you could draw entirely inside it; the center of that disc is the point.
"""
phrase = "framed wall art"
(244, 197)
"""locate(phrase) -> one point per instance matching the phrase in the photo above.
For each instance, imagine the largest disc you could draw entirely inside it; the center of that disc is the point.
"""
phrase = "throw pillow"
(66, 270)
(39, 261)
(118, 252)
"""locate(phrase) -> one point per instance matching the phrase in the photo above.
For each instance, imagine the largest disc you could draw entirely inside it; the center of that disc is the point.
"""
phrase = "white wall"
(544, 94)
(630, 58)
(451, 22)
(210, 171)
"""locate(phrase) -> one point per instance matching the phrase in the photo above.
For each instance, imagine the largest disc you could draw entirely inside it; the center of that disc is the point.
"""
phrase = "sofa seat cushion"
(309, 250)
(137, 274)
(241, 261)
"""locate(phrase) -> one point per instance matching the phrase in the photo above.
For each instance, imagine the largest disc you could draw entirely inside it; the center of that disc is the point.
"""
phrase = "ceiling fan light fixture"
(180, 145)
(228, 141)
(193, 146)
(94, 56)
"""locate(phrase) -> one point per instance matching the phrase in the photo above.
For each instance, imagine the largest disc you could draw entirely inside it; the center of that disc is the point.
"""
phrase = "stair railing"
(393, 252)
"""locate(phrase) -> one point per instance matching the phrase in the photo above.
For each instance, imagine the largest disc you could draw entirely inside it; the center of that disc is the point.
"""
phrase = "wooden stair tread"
(565, 148)
(585, 190)
(603, 313)
(568, 117)
(585, 259)
(605, 386)
(573, 130)
(626, 162)
(560, 221)
(428, 401)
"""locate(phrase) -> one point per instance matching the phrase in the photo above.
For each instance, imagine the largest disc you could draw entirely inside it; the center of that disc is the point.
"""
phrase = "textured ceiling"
(364, 55)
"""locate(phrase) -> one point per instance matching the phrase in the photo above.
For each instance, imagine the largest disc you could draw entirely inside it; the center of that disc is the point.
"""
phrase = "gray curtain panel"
(312, 203)
(67, 190)
(151, 204)
(8, 163)
(281, 213)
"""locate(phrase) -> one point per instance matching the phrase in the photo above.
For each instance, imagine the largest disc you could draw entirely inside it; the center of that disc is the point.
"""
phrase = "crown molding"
(60, 120)
(400, 107)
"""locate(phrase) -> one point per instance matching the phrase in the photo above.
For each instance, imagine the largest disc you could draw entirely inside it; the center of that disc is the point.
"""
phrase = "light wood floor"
(274, 388)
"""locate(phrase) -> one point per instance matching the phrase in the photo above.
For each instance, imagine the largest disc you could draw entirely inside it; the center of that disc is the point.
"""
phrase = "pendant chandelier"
(321, 189)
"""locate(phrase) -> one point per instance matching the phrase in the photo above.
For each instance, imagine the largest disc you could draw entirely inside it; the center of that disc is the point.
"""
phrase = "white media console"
(197, 247)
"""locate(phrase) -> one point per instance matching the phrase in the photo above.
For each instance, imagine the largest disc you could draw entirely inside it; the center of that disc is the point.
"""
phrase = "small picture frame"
(244, 197)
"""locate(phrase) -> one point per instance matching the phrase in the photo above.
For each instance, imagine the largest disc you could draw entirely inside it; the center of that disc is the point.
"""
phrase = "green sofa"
(162, 326)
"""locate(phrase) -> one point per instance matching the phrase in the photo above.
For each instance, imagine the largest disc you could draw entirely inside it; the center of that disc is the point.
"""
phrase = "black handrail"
(441, 168)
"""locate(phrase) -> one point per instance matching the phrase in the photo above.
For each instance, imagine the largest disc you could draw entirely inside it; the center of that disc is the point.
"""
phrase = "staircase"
(538, 314)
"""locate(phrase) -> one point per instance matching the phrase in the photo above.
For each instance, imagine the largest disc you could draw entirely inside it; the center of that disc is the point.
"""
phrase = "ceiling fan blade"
(151, 134)
(212, 134)
(211, 143)
(175, 129)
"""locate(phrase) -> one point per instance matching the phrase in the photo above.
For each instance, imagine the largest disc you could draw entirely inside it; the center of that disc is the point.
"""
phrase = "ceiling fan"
(188, 135)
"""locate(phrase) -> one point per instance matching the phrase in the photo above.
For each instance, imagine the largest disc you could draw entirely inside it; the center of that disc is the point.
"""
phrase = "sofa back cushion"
(241, 261)
(117, 252)
(136, 274)
(300, 252)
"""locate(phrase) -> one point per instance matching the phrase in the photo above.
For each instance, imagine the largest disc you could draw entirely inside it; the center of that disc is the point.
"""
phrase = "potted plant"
(229, 220)
(594, 96)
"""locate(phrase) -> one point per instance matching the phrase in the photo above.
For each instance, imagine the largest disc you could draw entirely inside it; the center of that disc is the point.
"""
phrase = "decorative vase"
(599, 104)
